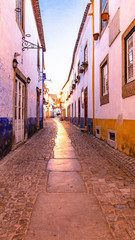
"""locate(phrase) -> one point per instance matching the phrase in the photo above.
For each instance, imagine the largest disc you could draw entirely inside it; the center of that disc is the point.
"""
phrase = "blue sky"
(61, 21)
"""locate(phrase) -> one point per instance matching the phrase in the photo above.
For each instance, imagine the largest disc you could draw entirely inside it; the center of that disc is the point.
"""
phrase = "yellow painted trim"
(93, 65)
(125, 133)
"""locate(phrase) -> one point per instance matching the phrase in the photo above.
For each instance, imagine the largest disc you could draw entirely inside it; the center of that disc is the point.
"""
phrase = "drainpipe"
(93, 67)
(42, 88)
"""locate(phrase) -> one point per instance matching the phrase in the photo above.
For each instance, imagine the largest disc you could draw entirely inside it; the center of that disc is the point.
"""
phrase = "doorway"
(19, 110)
(79, 111)
(38, 108)
(86, 107)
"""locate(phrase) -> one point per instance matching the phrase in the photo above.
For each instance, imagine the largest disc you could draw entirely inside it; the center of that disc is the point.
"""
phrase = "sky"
(61, 22)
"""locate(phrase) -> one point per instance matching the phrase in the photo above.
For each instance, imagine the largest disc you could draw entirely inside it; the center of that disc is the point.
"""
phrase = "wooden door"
(86, 106)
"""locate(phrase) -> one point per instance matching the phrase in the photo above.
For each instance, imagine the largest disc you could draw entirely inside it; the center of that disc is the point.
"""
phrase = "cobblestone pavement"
(111, 175)
(22, 177)
(107, 172)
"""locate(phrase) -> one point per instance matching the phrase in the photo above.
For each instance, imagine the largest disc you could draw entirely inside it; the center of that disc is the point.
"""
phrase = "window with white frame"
(130, 56)
(104, 79)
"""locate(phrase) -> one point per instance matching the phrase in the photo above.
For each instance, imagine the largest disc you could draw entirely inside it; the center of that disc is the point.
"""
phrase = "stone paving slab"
(64, 154)
(62, 217)
(63, 182)
(63, 165)
(63, 148)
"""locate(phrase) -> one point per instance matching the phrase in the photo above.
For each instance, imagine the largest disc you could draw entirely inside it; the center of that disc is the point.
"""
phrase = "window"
(82, 97)
(128, 58)
(38, 56)
(104, 8)
(78, 68)
(20, 13)
(104, 93)
(112, 138)
(86, 53)
(104, 79)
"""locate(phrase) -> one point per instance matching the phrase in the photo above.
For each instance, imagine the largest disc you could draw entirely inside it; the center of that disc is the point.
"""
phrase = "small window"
(82, 97)
(38, 56)
(104, 81)
(20, 13)
(78, 69)
(112, 138)
(86, 53)
(98, 131)
(104, 8)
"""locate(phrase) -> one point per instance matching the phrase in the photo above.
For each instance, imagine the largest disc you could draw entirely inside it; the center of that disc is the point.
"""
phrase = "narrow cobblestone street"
(56, 187)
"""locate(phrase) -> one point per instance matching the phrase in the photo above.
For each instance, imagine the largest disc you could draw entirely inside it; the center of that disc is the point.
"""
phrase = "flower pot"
(105, 16)
(96, 35)
(84, 65)
(73, 86)
(81, 70)
(78, 77)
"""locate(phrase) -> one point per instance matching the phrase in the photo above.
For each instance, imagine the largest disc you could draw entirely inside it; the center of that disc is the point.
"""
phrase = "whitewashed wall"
(11, 42)
(117, 105)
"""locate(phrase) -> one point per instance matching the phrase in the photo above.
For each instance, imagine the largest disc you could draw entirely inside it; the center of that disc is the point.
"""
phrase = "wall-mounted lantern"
(15, 63)
(28, 80)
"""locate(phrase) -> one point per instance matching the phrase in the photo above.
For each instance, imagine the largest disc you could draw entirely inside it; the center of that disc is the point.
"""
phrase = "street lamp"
(15, 63)
(28, 80)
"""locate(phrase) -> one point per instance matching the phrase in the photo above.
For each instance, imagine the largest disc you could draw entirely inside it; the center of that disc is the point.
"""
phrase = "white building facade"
(77, 92)
(111, 73)
(22, 48)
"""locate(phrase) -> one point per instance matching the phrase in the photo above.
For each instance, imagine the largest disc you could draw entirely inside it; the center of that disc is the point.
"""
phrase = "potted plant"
(84, 64)
(73, 86)
(95, 35)
(81, 70)
(76, 80)
(105, 16)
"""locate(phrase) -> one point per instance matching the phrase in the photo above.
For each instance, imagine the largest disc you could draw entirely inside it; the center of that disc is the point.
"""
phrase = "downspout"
(42, 88)
(93, 65)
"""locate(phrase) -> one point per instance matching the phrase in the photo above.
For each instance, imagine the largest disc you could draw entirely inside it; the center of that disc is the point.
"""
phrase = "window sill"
(128, 89)
(104, 99)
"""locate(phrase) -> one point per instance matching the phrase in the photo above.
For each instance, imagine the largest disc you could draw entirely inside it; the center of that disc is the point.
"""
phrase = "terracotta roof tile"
(78, 38)
(37, 13)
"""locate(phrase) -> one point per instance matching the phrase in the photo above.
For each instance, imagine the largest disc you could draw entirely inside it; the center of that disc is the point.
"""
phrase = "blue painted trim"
(76, 121)
(81, 122)
(31, 126)
(5, 135)
(90, 123)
